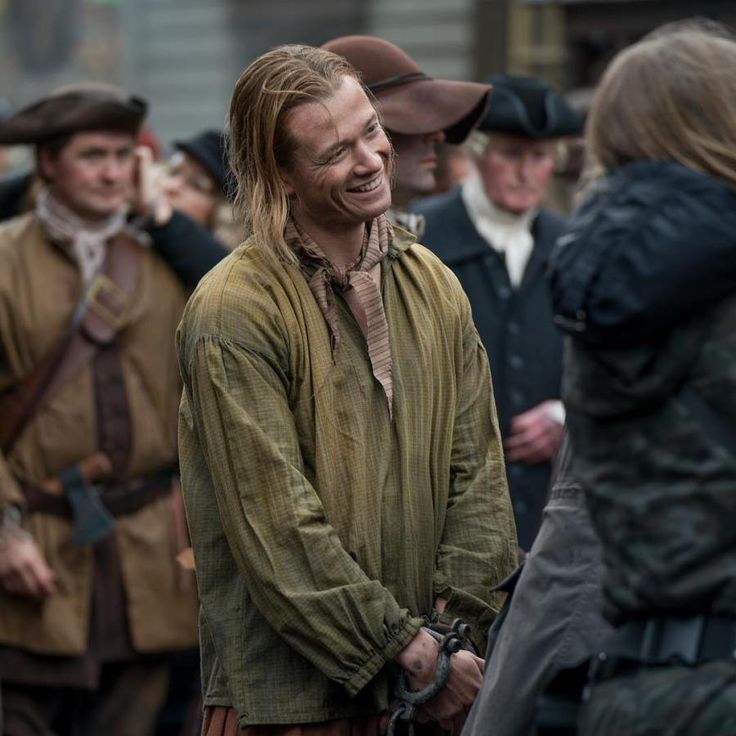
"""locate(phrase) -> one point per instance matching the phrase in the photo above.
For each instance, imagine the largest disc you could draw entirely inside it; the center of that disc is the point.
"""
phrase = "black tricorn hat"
(74, 109)
(208, 147)
(528, 107)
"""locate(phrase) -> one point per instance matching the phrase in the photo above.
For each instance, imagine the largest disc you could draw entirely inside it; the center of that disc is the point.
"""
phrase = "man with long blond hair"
(339, 449)
(648, 267)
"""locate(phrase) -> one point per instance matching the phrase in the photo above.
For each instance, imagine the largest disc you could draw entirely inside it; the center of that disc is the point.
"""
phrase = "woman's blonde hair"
(259, 147)
(671, 96)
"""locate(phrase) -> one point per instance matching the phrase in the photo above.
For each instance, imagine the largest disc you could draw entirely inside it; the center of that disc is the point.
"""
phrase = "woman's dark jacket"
(645, 283)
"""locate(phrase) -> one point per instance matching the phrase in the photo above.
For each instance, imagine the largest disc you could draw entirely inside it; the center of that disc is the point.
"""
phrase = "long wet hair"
(259, 147)
(671, 96)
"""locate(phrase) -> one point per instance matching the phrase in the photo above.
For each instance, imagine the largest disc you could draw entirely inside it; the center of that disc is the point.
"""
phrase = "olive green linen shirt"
(322, 529)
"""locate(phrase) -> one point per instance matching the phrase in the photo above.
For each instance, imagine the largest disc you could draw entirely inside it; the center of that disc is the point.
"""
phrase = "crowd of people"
(405, 457)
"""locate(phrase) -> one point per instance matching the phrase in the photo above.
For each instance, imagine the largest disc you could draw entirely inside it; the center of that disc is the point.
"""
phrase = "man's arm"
(296, 570)
(23, 570)
(478, 547)
(189, 249)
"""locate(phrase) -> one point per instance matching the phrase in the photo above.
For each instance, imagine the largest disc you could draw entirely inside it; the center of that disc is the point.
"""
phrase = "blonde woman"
(645, 283)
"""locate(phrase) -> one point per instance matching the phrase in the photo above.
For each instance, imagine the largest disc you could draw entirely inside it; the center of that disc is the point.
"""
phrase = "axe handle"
(93, 468)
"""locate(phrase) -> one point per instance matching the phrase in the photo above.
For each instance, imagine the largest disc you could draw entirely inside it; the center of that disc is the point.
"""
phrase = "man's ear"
(287, 182)
(45, 160)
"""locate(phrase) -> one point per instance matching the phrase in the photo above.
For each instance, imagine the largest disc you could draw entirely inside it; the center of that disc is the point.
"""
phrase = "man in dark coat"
(493, 234)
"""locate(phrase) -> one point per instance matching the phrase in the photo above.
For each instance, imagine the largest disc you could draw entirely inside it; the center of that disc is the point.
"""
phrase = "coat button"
(516, 361)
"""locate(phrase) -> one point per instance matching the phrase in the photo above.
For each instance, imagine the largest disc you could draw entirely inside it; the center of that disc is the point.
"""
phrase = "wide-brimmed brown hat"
(73, 109)
(411, 102)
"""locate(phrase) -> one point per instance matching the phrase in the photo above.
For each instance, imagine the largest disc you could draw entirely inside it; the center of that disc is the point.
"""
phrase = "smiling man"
(339, 452)
(90, 597)
(496, 236)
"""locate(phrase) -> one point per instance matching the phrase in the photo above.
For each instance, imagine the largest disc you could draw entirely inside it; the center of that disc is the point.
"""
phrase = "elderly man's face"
(340, 173)
(416, 164)
(92, 174)
(516, 171)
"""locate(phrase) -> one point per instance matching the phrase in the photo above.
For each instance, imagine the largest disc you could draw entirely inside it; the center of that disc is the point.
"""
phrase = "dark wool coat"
(515, 326)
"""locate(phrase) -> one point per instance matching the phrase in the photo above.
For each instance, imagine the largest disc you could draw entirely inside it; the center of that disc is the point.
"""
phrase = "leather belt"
(120, 499)
(666, 641)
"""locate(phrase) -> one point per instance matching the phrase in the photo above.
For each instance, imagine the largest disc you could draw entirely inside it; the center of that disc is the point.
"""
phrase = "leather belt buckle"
(108, 301)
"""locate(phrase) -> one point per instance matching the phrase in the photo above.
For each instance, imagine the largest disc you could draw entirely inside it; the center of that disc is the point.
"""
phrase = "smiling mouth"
(370, 186)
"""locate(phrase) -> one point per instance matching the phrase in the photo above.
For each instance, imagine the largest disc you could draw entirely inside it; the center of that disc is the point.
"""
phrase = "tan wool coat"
(39, 288)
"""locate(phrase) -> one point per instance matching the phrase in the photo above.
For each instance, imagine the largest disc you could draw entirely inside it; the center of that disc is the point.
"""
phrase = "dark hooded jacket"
(644, 282)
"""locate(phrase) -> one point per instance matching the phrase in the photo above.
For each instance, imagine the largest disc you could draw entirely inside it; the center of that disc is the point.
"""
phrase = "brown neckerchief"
(360, 283)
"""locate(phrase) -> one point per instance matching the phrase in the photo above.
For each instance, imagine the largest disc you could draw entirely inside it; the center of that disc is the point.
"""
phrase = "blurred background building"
(184, 55)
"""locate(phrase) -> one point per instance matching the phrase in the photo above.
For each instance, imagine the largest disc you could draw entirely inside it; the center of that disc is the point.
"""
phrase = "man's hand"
(535, 435)
(23, 570)
(147, 198)
(451, 705)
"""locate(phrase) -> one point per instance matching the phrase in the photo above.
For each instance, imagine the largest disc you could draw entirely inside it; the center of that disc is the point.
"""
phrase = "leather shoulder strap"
(98, 317)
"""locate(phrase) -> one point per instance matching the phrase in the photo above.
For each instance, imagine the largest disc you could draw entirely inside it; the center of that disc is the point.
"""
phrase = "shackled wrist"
(419, 657)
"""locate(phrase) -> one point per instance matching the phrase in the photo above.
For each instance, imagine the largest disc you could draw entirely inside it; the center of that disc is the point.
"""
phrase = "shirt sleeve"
(478, 547)
(311, 591)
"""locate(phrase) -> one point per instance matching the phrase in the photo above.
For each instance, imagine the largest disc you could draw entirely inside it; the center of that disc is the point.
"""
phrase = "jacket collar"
(469, 245)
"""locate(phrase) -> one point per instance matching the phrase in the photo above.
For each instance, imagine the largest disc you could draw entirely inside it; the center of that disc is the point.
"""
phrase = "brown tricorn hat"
(411, 102)
(73, 109)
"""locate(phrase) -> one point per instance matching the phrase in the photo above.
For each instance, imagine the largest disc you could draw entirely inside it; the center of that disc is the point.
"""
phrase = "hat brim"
(542, 114)
(73, 113)
(430, 105)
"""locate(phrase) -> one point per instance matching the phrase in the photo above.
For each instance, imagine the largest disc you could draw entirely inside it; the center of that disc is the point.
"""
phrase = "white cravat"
(505, 232)
(86, 241)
